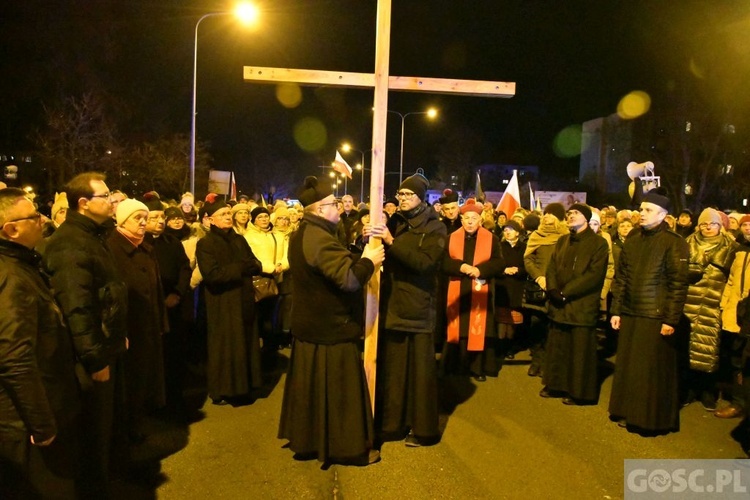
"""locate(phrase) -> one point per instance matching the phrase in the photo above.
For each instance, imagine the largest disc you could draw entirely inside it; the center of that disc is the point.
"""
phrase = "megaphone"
(636, 170)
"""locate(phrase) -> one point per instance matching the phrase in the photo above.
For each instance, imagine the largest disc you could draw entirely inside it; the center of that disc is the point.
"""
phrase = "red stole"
(479, 297)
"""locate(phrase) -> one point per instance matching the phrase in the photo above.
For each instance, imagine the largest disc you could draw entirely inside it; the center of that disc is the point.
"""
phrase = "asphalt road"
(500, 440)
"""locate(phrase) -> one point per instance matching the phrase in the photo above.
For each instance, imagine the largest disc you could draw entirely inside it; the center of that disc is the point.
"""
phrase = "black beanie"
(152, 201)
(584, 209)
(256, 212)
(417, 183)
(312, 191)
(174, 213)
(555, 209)
(658, 196)
(213, 204)
(449, 196)
(531, 222)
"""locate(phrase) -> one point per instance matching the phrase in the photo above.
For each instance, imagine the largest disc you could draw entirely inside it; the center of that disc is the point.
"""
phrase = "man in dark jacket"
(326, 412)
(649, 294)
(228, 265)
(39, 396)
(175, 272)
(93, 298)
(575, 277)
(415, 241)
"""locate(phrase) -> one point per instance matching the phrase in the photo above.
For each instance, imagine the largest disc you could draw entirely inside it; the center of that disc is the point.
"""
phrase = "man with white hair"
(650, 290)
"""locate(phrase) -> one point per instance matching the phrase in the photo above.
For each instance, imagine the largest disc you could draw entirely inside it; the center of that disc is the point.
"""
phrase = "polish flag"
(511, 199)
(340, 165)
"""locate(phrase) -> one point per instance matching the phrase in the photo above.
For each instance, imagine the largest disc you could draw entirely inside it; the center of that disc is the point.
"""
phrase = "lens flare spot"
(289, 95)
(567, 143)
(310, 134)
(633, 105)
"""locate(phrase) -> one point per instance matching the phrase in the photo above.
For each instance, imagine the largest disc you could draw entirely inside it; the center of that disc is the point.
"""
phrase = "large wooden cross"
(382, 83)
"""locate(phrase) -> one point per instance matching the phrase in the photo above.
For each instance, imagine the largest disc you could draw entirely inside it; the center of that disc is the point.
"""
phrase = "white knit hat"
(128, 207)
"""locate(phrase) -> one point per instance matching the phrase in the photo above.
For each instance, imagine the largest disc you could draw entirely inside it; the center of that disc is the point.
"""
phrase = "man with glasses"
(175, 272)
(39, 396)
(415, 239)
(649, 293)
(93, 298)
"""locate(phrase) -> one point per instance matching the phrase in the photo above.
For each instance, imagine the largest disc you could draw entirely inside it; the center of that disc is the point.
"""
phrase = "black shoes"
(569, 401)
(534, 371)
(545, 393)
(478, 377)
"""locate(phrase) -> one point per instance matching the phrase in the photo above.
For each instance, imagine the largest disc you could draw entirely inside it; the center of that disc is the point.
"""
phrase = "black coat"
(174, 265)
(38, 387)
(90, 290)
(651, 279)
(329, 278)
(147, 321)
(509, 287)
(228, 264)
(411, 268)
(577, 270)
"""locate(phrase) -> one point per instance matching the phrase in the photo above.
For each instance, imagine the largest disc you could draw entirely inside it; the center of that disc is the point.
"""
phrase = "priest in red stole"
(473, 259)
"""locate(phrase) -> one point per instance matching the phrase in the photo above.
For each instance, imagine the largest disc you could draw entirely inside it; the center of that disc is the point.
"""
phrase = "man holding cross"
(406, 388)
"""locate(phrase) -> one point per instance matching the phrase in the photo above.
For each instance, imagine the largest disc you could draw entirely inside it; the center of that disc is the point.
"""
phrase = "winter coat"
(536, 265)
(651, 276)
(411, 268)
(708, 272)
(38, 388)
(332, 279)
(228, 265)
(577, 269)
(732, 292)
(89, 289)
(509, 287)
(269, 247)
(147, 321)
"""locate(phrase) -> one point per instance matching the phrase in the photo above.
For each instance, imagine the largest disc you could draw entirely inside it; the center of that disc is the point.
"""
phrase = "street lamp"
(245, 12)
(347, 148)
(431, 113)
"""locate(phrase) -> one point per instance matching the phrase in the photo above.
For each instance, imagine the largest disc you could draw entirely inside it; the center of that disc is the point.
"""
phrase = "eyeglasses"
(104, 196)
(704, 225)
(406, 195)
(36, 217)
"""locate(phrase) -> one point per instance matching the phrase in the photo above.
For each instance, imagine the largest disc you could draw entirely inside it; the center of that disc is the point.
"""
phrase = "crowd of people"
(108, 300)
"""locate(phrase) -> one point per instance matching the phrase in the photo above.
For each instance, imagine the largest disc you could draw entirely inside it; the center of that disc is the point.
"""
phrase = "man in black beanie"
(415, 241)
(449, 210)
(556, 209)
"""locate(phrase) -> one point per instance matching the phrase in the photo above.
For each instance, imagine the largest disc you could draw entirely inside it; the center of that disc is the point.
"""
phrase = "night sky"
(571, 60)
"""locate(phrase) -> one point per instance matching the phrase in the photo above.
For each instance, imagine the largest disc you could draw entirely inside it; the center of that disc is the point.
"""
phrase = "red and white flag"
(340, 165)
(511, 199)
(232, 188)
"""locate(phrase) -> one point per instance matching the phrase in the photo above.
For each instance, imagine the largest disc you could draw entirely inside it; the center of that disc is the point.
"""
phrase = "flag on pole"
(263, 201)
(478, 192)
(232, 188)
(340, 165)
(511, 199)
(531, 198)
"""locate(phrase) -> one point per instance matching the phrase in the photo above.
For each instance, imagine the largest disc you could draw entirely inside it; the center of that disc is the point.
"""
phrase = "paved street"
(501, 440)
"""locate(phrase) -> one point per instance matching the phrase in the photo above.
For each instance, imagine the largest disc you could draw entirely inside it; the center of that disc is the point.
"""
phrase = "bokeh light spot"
(567, 142)
(633, 105)
(289, 95)
(696, 70)
(310, 134)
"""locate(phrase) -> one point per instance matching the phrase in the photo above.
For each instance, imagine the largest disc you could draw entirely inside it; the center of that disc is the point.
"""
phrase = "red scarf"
(479, 297)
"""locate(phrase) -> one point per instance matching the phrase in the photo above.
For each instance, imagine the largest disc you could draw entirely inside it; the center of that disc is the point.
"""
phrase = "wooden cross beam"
(381, 82)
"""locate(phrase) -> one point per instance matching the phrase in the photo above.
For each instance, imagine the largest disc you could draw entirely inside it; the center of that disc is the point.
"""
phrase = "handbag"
(533, 293)
(743, 306)
(265, 287)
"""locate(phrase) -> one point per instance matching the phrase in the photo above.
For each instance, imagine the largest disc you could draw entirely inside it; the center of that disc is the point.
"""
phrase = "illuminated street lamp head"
(331, 174)
(358, 166)
(247, 13)
(346, 147)
(432, 112)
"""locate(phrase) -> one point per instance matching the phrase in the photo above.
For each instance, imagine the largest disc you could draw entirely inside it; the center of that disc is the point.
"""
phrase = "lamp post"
(245, 12)
(347, 148)
(432, 113)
